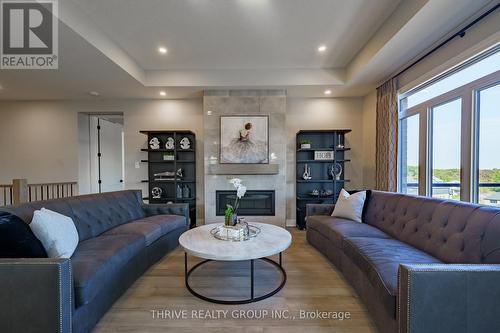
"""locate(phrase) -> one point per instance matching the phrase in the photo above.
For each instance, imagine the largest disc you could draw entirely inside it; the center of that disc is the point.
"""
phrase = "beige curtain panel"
(387, 137)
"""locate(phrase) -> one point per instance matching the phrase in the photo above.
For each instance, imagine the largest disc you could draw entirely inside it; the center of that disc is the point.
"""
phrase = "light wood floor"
(313, 284)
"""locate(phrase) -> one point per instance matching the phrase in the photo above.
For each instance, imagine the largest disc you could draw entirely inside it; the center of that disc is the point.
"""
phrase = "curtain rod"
(460, 33)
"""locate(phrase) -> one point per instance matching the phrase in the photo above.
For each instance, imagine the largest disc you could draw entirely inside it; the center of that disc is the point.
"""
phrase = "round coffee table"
(270, 241)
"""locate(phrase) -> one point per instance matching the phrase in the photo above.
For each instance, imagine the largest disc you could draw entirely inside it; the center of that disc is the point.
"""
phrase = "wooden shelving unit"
(326, 140)
(183, 158)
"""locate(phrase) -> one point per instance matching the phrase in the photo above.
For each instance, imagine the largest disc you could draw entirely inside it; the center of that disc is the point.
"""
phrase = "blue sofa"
(120, 238)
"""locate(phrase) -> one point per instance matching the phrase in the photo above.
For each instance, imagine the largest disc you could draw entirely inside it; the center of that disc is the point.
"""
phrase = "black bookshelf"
(183, 158)
(328, 187)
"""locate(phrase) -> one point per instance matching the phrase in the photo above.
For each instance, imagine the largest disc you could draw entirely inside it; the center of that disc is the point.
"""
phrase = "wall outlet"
(137, 164)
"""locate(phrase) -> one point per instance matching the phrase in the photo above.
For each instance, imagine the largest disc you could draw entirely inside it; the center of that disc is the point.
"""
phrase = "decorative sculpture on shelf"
(156, 192)
(336, 171)
(154, 143)
(169, 175)
(185, 143)
(307, 172)
(170, 144)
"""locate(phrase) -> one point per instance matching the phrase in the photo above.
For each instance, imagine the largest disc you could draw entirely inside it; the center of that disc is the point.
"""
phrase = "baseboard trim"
(290, 223)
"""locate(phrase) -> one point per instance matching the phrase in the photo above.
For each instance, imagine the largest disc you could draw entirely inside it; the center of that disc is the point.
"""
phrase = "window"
(409, 151)
(446, 134)
(457, 79)
(488, 172)
(450, 134)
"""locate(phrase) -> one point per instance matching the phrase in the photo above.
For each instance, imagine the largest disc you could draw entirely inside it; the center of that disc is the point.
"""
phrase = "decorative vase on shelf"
(185, 192)
(340, 143)
(307, 173)
(179, 192)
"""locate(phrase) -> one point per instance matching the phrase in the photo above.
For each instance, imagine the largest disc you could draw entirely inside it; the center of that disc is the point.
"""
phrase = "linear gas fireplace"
(254, 203)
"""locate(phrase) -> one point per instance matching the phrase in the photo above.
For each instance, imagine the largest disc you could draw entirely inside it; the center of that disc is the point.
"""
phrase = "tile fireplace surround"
(217, 103)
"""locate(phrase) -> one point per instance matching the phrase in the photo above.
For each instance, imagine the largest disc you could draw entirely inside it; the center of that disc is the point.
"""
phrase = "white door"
(107, 155)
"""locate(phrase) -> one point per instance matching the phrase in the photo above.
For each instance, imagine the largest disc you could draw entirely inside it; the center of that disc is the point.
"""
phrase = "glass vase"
(230, 220)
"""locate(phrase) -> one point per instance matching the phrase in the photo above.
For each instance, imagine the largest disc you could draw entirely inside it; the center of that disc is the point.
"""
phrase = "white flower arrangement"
(240, 189)
(240, 193)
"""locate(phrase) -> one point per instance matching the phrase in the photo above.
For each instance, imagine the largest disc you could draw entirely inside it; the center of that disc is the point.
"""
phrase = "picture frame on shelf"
(324, 155)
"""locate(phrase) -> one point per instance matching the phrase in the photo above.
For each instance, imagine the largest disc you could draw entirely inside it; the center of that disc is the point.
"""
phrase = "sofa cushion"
(17, 240)
(350, 206)
(57, 233)
(151, 228)
(98, 261)
(167, 223)
(337, 229)
(452, 231)
(379, 259)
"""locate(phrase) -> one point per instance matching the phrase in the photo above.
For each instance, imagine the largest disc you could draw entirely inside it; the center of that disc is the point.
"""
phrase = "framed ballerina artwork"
(244, 139)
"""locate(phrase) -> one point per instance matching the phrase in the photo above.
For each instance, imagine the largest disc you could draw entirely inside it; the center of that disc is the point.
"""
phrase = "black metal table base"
(252, 298)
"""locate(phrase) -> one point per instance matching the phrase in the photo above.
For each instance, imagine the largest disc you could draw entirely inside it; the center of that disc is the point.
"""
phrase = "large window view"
(446, 135)
(409, 149)
(488, 104)
(461, 133)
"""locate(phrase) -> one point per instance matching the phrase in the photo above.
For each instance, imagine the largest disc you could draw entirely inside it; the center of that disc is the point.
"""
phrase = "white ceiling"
(110, 46)
(239, 34)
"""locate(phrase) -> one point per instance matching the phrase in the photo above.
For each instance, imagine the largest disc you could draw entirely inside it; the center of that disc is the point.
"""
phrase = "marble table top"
(200, 243)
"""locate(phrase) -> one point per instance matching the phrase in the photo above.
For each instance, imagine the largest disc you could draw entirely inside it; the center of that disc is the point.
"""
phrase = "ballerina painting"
(244, 140)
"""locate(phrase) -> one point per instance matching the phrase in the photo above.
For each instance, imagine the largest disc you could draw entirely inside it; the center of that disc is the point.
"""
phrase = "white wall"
(84, 164)
(38, 141)
(369, 138)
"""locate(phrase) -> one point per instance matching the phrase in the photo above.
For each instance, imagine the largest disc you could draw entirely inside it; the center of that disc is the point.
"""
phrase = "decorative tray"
(236, 233)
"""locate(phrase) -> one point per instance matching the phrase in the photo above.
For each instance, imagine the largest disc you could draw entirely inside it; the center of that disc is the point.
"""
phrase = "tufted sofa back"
(454, 232)
(93, 214)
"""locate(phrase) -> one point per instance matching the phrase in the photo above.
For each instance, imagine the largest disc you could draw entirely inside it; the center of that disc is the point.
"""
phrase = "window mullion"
(466, 148)
(423, 152)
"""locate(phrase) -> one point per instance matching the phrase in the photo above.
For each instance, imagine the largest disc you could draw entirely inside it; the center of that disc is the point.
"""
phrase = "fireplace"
(254, 203)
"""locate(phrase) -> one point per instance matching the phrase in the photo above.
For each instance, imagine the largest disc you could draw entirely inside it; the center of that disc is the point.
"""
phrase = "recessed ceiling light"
(163, 93)
(162, 50)
(322, 48)
(209, 113)
(93, 93)
(328, 92)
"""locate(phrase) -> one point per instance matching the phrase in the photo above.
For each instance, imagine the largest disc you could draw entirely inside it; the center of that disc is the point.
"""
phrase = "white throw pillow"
(350, 206)
(57, 233)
